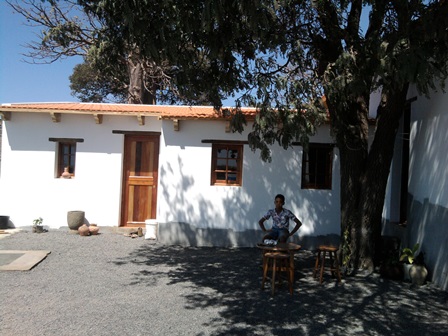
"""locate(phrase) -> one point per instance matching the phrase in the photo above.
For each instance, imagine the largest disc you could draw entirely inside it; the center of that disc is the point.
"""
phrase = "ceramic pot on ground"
(4, 221)
(406, 269)
(93, 228)
(83, 230)
(418, 274)
(75, 219)
(38, 228)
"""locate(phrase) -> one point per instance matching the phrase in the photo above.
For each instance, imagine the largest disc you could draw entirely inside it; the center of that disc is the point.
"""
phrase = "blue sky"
(22, 82)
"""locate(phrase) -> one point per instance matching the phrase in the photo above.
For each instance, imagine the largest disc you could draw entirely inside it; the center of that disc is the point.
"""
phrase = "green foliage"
(409, 255)
(38, 221)
(207, 49)
(171, 64)
(90, 85)
(281, 55)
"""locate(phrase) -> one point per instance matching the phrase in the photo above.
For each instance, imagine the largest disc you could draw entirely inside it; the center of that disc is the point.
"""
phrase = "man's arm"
(261, 223)
(298, 225)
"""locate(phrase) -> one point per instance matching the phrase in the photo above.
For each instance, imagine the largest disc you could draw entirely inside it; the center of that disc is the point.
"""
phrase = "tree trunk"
(351, 131)
(139, 91)
(364, 176)
(377, 173)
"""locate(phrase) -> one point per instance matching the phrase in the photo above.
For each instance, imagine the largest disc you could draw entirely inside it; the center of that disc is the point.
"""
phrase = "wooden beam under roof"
(56, 117)
(5, 115)
(98, 118)
(227, 126)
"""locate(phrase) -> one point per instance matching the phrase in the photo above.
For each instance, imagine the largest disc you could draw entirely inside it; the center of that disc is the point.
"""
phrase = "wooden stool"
(320, 261)
(277, 261)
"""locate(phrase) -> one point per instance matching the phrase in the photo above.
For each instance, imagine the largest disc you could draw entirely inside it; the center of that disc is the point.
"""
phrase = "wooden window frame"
(237, 170)
(64, 158)
(313, 175)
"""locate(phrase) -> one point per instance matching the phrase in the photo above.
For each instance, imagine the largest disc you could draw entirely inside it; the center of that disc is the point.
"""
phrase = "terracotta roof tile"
(162, 111)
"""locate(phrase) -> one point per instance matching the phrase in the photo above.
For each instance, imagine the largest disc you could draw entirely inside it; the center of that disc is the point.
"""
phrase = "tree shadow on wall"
(194, 218)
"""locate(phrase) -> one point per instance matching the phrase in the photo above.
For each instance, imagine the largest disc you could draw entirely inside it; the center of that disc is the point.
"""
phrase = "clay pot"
(4, 222)
(93, 228)
(75, 219)
(38, 228)
(66, 173)
(83, 230)
(418, 274)
(406, 269)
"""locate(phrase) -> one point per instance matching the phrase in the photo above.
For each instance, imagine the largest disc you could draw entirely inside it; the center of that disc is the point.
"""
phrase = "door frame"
(124, 186)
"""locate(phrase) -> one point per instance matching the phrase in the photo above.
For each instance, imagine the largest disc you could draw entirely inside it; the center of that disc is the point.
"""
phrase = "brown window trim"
(226, 162)
(229, 142)
(320, 177)
(135, 132)
(66, 155)
(65, 140)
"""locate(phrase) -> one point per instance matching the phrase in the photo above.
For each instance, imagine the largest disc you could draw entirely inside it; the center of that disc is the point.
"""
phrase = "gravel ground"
(115, 285)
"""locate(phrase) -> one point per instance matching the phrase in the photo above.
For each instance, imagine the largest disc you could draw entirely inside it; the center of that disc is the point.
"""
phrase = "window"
(65, 155)
(227, 163)
(317, 166)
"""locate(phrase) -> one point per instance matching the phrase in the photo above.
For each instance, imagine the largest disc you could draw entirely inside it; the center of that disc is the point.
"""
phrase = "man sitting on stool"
(280, 221)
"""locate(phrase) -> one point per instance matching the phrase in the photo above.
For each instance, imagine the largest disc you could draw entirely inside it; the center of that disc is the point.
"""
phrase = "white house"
(178, 165)
(183, 168)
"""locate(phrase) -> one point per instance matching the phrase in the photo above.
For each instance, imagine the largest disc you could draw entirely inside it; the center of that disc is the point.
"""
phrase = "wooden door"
(140, 173)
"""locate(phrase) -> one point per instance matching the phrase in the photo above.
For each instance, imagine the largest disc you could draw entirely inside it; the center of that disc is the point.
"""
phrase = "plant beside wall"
(38, 226)
(414, 265)
(407, 257)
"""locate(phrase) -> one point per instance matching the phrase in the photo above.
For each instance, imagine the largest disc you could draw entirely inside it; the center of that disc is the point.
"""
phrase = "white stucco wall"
(427, 215)
(429, 148)
(428, 183)
(28, 188)
(185, 193)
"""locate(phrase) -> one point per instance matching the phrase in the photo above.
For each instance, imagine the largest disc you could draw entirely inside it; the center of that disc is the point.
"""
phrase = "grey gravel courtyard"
(115, 285)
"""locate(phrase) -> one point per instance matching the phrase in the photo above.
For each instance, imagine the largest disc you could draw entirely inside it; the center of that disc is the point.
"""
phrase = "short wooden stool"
(277, 262)
(320, 261)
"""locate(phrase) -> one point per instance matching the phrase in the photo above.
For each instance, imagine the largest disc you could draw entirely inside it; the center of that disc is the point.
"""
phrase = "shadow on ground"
(229, 280)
